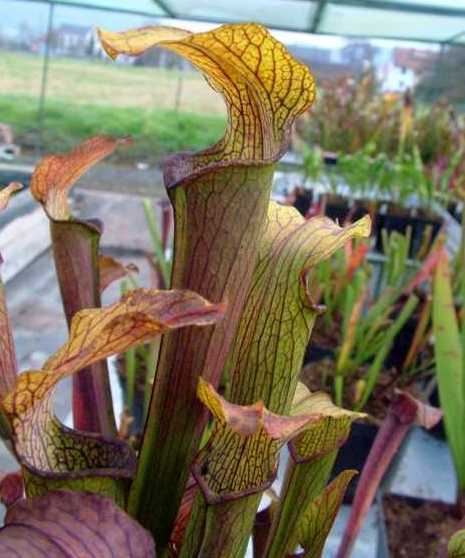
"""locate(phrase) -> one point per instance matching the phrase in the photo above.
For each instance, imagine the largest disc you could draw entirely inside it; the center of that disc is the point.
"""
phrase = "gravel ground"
(124, 180)
(106, 176)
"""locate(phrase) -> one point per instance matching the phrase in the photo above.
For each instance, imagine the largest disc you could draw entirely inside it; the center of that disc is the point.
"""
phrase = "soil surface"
(318, 376)
(418, 529)
(132, 423)
(319, 368)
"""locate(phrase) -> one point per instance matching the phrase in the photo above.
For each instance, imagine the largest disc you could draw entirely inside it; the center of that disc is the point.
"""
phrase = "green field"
(88, 97)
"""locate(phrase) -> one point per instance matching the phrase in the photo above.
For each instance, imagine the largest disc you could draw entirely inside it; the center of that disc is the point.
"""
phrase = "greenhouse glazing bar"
(404, 7)
(43, 85)
(46, 61)
(318, 15)
(168, 12)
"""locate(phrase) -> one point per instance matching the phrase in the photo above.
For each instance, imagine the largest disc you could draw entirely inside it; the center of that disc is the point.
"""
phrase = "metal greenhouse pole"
(43, 87)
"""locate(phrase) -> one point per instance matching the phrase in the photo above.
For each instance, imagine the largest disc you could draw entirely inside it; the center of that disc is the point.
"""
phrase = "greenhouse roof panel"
(148, 7)
(420, 20)
(441, 4)
(288, 14)
(390, 24)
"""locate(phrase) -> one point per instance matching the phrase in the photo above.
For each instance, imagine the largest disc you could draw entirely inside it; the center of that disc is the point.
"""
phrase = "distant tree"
(445, 81)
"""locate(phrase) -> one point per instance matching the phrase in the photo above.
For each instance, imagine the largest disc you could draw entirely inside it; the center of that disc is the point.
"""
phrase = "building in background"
(405, 69)
(72, 40)
(336, 63)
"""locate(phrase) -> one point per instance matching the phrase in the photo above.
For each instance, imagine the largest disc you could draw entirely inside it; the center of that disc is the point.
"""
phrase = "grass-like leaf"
(449, 365)
(389, 335)
(316, 521)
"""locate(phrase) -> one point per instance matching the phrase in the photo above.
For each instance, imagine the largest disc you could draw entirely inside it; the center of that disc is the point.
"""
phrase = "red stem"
(8, 364)
(166, 223)
(401, 416)
(75, 250)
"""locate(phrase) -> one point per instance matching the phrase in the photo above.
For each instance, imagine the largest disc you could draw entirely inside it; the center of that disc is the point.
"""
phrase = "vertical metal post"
(43, 87)
(179, 86)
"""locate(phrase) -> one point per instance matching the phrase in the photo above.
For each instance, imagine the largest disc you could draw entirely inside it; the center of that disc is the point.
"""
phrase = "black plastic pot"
(315, 353)
(337, 208)
(399, 220)
(390, 223)
(363, 208)
(437, 431)
(137, 409)
(455, 210)
(393, 218)
(330, 158)
(402, 341)
(7, 176)
(303, 200)
(420, 224)
(354, 453)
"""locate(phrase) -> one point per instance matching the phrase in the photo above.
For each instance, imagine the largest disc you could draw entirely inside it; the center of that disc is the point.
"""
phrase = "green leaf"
(221, 530)
(326, 434)
(421, 336)
(238, 463)
(456, 546)
(316, 521)
(275, 326)
(241, 455)
(449, 364)
(313, 453)
(275, 320)
(388, 337)
(157, 244)
(354, 308)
